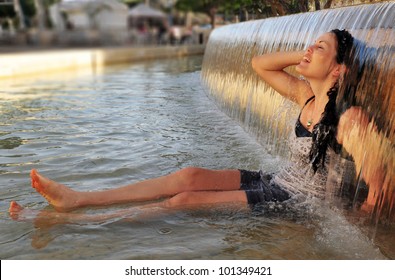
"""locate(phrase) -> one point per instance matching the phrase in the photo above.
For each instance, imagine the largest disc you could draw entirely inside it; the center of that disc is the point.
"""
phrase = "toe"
(14, 207)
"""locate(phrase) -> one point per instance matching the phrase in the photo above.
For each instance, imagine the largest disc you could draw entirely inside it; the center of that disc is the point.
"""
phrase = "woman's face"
(320, 58)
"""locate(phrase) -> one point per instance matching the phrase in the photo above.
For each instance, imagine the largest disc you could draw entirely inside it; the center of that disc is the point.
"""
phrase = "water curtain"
(231, 82)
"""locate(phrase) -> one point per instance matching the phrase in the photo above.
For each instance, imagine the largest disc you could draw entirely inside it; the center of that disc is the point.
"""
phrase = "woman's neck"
(320, 90)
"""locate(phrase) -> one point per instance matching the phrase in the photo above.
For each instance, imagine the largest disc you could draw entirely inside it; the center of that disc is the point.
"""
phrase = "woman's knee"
(184, 198)
(189, 177)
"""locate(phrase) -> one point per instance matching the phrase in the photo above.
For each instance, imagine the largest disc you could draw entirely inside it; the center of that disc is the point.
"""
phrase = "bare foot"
(62, 198)
(41, 218)
(43, 221)
(19, 213)
(15, 210)
(46, 219)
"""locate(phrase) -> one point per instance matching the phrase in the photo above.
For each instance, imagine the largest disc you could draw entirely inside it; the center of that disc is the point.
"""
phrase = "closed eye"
(320, 44)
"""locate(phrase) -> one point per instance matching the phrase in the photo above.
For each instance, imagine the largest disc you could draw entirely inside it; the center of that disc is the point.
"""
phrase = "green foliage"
(7, 11)
(234, 6)
(196, 6)
(28, 7)
(132, 2)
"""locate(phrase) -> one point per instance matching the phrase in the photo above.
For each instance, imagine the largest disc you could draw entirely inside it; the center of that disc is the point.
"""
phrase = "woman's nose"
(310, 49)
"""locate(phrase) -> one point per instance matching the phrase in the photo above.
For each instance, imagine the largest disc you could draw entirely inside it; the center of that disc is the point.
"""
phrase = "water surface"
(134, 122)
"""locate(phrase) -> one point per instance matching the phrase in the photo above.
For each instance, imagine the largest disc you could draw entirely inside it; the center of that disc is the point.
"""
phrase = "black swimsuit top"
(300, 130)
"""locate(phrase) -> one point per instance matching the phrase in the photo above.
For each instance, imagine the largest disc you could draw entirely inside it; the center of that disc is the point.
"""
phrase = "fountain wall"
(231, 82)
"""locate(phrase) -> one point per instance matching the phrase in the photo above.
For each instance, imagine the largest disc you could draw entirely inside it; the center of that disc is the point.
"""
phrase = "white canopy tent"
(142, 10)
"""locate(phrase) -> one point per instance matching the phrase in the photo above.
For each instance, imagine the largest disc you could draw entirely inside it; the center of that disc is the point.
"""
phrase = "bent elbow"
(259, 67)
(254, 63)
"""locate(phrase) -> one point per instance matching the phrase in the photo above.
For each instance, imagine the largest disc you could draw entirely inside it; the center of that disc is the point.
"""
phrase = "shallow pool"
(134, 122)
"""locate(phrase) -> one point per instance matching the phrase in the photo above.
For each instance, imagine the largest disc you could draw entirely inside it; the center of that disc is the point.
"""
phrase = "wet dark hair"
(324, 132)
(344, 46)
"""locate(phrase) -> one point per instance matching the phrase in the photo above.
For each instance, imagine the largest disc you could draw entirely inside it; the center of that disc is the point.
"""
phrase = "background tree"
(262, 8)
(209, 7)
(35, 11)
(30, 9)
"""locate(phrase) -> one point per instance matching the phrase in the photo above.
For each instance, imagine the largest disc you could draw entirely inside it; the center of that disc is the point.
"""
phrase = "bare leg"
(188, 179)
(46, 218)
(186, 200)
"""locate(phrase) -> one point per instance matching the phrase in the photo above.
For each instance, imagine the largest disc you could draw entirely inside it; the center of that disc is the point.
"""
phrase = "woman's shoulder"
(303, 91)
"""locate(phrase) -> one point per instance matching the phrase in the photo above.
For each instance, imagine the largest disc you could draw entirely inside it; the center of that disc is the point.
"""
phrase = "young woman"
(319, 129)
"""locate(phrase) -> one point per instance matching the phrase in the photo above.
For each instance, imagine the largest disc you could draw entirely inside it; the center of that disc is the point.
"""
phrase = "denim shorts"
(260, 189)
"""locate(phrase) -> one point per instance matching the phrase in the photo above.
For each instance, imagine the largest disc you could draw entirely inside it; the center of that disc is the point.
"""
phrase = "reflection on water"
(10, 143)
(136, 122)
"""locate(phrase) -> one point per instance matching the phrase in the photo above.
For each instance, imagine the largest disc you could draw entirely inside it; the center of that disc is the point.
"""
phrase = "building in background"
(90, 21)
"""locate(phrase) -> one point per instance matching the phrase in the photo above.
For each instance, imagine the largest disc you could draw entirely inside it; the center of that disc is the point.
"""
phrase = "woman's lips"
(306, 59)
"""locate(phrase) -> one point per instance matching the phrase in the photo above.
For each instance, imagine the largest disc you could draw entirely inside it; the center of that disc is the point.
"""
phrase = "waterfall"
(228, 76)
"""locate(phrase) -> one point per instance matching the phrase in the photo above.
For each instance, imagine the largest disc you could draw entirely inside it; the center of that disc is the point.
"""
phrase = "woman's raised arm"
(270, 67)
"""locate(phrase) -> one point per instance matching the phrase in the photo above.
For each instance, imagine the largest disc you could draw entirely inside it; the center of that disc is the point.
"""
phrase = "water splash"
(230, 80)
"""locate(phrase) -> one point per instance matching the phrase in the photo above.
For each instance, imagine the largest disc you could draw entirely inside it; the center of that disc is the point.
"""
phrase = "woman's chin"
(299, 68)
(302, 70)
